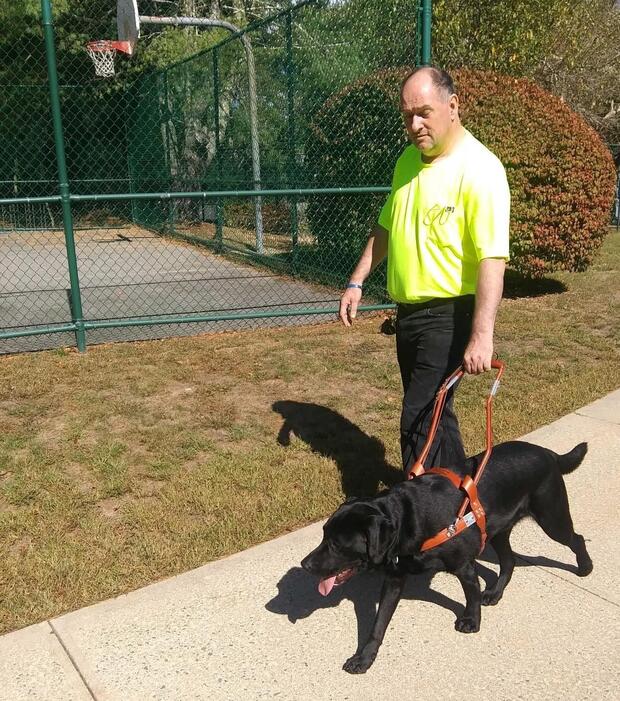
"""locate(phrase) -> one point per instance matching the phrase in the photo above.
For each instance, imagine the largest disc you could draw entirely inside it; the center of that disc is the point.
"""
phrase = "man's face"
(429, 115)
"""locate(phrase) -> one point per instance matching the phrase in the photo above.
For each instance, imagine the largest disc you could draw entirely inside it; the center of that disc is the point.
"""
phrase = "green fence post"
(219, 219)
(418, 34)
(427, 20)
(63, 179)
(290, 90)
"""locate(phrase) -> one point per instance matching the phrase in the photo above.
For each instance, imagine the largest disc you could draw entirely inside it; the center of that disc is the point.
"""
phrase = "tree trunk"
(187, 8)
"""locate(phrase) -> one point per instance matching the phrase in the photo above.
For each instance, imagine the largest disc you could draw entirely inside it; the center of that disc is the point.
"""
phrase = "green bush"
(560, 172)
(354, 140)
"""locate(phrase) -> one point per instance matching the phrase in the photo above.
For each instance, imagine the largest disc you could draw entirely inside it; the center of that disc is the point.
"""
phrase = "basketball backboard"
(128, 22)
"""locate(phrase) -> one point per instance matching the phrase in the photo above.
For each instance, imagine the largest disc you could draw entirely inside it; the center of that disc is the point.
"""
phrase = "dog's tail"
(571, 461)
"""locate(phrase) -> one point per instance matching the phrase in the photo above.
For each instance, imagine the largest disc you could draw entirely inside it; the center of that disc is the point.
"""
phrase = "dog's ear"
(351, 500)
(380, 539)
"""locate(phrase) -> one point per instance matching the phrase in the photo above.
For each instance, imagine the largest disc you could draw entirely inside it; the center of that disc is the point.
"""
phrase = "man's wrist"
(482, 334)
(354, 286)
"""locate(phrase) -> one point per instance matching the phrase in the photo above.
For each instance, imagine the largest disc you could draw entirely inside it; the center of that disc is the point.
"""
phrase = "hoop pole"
(255, 148)
(63, 178)
(427, 19)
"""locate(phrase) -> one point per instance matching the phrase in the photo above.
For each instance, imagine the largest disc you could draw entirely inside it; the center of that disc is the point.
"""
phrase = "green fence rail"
(167, 201)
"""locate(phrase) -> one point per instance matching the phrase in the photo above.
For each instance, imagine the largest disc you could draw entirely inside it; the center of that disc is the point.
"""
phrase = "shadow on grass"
(517, 285)
(360, 457)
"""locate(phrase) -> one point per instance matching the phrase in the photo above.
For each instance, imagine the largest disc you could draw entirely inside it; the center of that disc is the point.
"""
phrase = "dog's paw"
(584, 568)
(490, 597)
(467, 624)
(358, 664)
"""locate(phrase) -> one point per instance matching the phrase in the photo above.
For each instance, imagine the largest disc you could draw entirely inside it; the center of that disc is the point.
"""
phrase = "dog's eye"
(335, 547)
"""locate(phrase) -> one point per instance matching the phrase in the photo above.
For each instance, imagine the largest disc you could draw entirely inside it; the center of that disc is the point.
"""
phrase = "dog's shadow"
(489, 556)
(298, 597)
(362, 463)
(360, 458)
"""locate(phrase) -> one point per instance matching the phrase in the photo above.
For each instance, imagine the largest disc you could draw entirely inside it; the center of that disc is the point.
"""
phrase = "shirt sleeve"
(385, 216)
(488, 211)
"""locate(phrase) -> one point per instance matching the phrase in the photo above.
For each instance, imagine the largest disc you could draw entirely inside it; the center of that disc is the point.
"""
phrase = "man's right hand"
(348, 305)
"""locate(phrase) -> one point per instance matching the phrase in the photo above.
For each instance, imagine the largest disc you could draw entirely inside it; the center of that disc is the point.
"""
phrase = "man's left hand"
(478, 354)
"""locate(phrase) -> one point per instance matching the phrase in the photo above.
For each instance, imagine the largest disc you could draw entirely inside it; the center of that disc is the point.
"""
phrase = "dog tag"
(469, 518)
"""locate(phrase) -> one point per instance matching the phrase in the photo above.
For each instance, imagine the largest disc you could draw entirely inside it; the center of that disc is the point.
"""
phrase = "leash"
(466, 484)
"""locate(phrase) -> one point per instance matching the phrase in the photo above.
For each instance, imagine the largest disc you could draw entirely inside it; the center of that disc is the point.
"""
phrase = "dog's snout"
(312, 562)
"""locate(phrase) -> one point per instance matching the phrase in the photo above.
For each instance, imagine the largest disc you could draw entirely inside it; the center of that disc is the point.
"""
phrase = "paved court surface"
(136, 273)
(253, 626)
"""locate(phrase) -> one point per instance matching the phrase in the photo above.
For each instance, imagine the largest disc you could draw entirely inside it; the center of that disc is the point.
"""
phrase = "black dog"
(386, 531)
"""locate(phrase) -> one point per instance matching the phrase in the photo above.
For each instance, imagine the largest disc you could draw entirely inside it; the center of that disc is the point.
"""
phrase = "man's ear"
(454, 106)
(380, 537)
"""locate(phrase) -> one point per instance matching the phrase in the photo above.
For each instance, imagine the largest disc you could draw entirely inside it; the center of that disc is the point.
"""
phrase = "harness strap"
(476, 515)
(467, 484)
(417, 468)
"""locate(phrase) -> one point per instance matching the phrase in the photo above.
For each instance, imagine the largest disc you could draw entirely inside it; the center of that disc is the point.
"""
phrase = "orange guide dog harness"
(467, 484)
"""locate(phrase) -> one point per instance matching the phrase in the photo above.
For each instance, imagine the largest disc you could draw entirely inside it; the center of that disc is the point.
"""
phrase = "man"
(444, 229)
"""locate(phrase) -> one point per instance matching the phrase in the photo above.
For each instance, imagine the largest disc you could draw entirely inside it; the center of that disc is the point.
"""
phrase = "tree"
(510, 38)
(582, 64)
(568, 46)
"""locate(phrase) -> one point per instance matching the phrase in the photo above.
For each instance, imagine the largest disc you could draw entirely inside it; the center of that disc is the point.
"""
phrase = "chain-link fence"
(213, 193)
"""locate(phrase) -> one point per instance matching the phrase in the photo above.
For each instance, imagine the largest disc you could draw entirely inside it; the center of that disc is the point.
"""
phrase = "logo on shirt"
(438, 214)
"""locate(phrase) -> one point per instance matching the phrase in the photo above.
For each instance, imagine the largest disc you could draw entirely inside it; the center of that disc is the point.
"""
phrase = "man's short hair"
(442, 80)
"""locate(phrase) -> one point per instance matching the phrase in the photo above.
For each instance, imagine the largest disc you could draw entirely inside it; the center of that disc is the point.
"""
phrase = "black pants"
(430, 342)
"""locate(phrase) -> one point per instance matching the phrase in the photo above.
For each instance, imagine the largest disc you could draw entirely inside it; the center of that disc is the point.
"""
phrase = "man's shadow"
(360, 458)
(517, 285)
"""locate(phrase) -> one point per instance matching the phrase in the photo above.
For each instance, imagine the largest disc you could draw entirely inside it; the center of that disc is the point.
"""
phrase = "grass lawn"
(137, 461)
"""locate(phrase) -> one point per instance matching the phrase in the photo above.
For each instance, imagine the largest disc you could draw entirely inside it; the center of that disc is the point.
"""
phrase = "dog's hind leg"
(469, 620)
(501, 544)
(391, 592)
(549, 507)
(584, 561)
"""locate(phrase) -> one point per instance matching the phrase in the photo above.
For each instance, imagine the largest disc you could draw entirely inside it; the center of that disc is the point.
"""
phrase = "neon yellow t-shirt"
(443, 218)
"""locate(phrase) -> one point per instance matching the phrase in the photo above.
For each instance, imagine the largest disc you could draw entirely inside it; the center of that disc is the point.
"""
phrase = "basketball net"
(102, 53)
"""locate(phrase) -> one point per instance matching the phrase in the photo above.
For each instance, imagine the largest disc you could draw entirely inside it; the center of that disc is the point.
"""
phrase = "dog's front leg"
(469, 621)
(391, 592)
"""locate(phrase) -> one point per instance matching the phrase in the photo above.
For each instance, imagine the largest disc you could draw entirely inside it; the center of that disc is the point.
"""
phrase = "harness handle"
(499, 365)
(440, 399)
(466, 484)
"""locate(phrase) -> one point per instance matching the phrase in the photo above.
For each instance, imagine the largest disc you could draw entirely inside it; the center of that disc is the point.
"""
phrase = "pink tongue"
(326, 585)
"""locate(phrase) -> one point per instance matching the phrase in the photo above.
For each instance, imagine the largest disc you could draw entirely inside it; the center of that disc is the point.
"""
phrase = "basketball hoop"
(103, 53)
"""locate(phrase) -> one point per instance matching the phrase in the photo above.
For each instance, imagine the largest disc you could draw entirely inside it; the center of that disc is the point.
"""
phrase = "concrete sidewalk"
(253, 626)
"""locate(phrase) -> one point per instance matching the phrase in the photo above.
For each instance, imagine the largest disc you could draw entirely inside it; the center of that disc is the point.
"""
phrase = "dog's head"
(358, 536)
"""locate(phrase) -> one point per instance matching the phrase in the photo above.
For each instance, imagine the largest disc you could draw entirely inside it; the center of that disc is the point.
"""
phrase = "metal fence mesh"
(203, 135)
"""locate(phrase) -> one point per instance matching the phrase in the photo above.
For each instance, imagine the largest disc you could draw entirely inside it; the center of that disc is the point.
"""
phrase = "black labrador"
(385, 532)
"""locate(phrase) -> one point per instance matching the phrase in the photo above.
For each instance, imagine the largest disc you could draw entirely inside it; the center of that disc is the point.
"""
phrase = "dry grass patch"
(137, 461)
